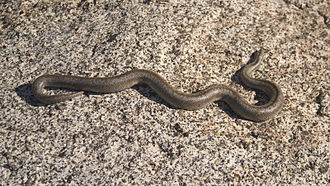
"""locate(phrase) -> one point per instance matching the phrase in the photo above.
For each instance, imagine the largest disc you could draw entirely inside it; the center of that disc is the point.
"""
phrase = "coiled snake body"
(168, 93)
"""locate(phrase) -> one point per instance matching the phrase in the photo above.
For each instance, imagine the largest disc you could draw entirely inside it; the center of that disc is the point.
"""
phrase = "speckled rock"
(133, 137)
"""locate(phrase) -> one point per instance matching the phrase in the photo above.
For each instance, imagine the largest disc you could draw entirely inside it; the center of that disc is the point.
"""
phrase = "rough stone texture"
(133, 137)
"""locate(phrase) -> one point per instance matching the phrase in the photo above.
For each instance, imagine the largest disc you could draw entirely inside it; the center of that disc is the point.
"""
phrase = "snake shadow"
(147, 92)
(25, 92)
(260, 97)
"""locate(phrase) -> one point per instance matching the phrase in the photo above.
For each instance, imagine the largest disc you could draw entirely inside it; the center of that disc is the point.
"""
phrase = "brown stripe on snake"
(168, 93)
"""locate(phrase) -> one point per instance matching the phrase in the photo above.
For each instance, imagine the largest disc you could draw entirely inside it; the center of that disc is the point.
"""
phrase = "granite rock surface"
(133, 137)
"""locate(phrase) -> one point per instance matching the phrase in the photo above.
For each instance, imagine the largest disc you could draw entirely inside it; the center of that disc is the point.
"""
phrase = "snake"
(176, 98)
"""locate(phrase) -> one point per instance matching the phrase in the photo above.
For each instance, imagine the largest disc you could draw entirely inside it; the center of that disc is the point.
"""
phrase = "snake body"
(168, 93)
